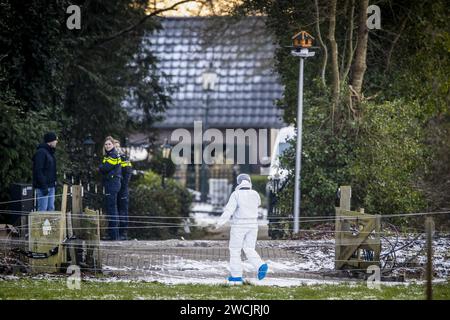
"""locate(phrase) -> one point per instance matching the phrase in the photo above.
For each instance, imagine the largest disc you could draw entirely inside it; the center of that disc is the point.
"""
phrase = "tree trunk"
(322, 44)
(350, 52)
(334, 60)
(359, 62)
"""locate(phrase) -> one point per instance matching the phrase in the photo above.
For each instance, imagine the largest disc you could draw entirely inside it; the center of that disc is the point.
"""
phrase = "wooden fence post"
(345, 199)
(77, 200)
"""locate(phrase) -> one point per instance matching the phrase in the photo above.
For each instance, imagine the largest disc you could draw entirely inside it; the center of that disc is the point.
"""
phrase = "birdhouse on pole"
(301, 43)
(302, 39)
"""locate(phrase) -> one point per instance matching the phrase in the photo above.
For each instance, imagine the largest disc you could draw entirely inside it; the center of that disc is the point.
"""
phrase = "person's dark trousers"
(112, 188)
(122, 205)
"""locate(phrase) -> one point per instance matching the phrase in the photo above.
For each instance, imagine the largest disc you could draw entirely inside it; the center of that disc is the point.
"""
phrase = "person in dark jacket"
(111, 170)
(122, 198)
(44, 173)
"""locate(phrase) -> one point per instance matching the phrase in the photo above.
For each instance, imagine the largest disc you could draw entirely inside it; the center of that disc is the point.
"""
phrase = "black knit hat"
(49, 137)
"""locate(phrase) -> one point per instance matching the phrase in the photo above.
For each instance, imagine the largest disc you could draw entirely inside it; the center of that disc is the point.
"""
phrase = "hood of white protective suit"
(244, 184)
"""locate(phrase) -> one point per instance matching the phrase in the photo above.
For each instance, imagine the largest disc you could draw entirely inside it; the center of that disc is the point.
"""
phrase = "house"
(239, 55)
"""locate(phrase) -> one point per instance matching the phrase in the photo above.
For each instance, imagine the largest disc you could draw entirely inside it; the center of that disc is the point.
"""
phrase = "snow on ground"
(291, 262)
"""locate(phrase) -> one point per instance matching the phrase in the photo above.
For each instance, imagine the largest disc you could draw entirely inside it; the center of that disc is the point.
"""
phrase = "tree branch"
(391, 49)
(140, 22)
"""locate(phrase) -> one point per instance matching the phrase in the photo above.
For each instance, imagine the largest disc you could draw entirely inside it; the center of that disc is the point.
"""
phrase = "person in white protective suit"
(242, 208)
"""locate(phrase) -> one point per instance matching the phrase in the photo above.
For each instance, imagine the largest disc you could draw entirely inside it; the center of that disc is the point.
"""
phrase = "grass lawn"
(27, 288)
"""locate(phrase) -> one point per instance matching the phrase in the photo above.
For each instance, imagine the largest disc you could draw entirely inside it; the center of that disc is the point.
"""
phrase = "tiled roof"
(242, 54)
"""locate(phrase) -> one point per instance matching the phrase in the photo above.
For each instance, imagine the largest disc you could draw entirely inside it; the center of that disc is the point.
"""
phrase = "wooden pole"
(429, 226)
(77, 208)
(62, 227)
(70, 234)
(377, 252)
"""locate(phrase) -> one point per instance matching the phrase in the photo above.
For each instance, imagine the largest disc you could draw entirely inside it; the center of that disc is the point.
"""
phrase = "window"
(282, 147)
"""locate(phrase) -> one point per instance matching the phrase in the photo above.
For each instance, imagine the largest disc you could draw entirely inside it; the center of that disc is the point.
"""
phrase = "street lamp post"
(89, 146)
(166, 148)
(209, 79)
(302, 41)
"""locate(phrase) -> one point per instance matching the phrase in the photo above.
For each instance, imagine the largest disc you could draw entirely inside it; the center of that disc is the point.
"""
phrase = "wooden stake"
(62, 228)
(99, 256)
(77, 205)
(337, 234)
(377, 239)
(73, 259)
(344, 204)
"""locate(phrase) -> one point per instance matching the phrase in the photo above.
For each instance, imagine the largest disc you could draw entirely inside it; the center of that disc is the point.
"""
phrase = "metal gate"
(279, 216)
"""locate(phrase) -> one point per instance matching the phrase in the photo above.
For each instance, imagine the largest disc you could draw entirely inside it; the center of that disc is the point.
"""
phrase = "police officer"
(111, 170)
(122, 198)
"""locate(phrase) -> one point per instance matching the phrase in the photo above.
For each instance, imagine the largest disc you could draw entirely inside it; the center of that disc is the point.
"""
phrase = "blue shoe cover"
(262, 271)
(235, 279)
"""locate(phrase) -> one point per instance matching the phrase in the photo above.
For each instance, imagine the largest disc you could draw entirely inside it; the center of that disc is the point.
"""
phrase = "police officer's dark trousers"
(112, 188)
(122, 205)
